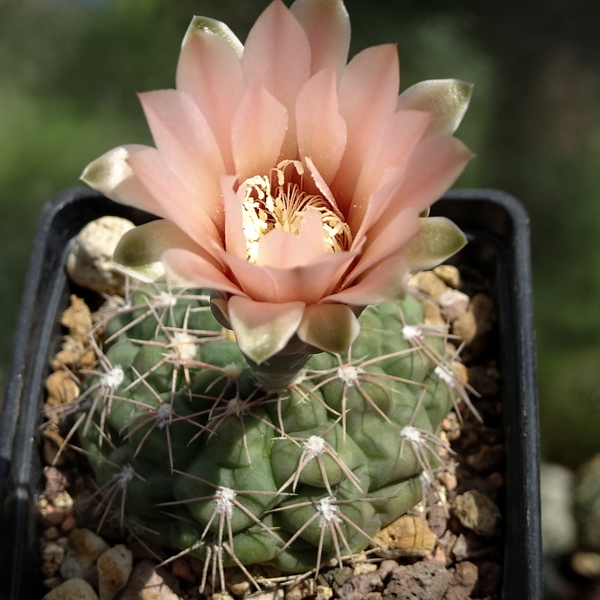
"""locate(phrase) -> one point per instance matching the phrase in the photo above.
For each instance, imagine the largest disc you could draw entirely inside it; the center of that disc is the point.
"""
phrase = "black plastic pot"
(497, 228)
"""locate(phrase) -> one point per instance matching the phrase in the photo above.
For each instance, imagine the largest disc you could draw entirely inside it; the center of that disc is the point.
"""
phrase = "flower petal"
(258, 130)
(387, 237)
(434, 166)
(321, 129)
(112, 175)
(281, 249)
(187, 145)
(368, 96)
(139, 252)
(210, 71)
(277, 56)
(263, 328)
(446, 99)
(385, 282)
(330, 327)
(399, 137)
(235, 240)
(438, 240)
(197, 271)
(177, 202)
(327, 25)
(308, 283)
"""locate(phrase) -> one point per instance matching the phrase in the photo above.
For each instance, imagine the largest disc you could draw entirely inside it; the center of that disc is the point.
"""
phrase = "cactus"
(190, 451)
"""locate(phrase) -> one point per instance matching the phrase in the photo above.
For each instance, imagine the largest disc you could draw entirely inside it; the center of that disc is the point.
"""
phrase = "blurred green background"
(70, 69)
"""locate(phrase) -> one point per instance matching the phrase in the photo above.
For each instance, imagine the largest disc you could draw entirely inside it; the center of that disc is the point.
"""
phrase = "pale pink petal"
(399, 137)
(281, 249)
(210, 71)
(263, 328)
(320, 186)
(311, 233)
(385, 238)
(177, 203)
(257, 282)
(259, 128)
(377, 204)
(187, 145)
(196, 271)
(112, 175)
(327, 25)
(383, 283)
(277, 56)
(235, 240)
(320, 128)
(330, 327)
(308, 283)
(434, 166)
(368, 95)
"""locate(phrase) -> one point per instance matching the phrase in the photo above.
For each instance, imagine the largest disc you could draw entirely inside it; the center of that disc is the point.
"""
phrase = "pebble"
(477, 512)
(324, 592)
(83, 551)
(90, 261)
(488, 459)
(406, 536)
(302, 589)
(428, 283)
(146, 584)
(72, 589)
(410, 581)
(449, 275)
(114, 568)
(453, 304)
(180, 567)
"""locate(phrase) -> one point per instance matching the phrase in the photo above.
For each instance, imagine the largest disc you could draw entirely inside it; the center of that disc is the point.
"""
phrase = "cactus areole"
(269, 393)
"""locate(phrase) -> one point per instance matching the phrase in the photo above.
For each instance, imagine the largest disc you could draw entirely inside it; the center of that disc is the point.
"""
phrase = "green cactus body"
(192, 454)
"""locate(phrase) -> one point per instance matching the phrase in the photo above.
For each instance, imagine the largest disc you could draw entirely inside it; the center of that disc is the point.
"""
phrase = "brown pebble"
(181, 568)
(449, 275)
(69, 523)
(477, 512)
(406, 536)
(429, 283)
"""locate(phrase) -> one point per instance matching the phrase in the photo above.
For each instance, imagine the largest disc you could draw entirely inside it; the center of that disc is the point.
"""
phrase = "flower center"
(278, 201)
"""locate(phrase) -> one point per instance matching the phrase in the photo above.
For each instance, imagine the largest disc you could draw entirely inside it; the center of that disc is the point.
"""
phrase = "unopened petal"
(139, 252)
(263, 328)
(330, 327)
(327, 25)
(112, 175)
(446, 99)
(438, 240)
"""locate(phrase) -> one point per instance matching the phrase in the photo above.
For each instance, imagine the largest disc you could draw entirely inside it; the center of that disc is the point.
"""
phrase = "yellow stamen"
(278, 201)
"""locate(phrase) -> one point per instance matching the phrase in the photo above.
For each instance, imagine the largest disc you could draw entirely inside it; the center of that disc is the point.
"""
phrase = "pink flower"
(288, 181)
